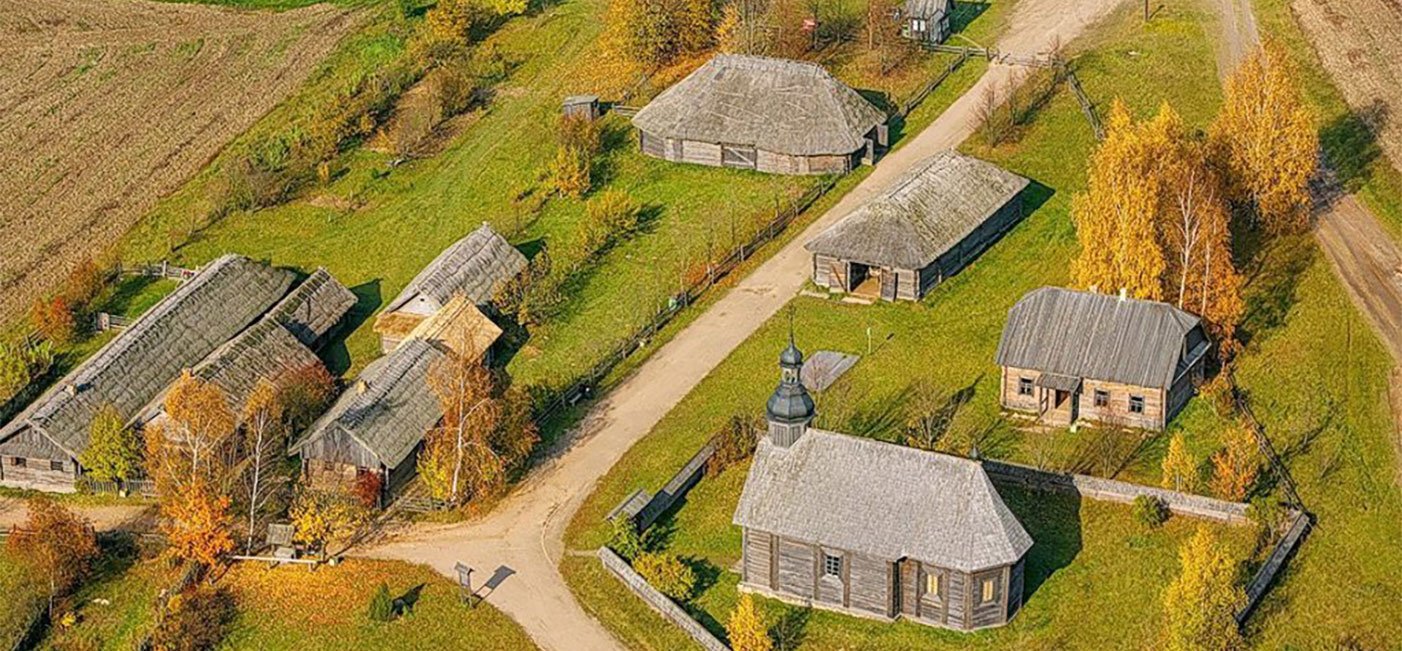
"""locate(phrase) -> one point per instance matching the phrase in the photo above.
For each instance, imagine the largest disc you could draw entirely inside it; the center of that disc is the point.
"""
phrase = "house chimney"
(361, 386)
(70, 389)
(1124, 293)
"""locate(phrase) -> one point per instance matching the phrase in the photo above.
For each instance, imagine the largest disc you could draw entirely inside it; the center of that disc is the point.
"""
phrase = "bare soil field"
(106, 105)
(1360, 43)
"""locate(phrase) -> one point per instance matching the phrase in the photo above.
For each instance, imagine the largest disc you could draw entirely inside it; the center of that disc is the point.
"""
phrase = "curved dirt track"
(524, 534)
(106, 105)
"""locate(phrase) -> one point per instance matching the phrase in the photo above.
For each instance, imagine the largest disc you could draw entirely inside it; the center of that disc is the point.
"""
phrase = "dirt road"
(106, 105)
(104, 518)
(521, 540)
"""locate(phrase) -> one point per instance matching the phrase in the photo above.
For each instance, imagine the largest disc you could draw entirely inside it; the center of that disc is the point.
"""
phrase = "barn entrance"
(864, 280)
(738, 157)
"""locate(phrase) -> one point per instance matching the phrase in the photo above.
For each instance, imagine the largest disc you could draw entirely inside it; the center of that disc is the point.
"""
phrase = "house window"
(986, 591)
(18, 462)
(832, 565)
(917, 25)
(932, 584)
(1136, 404)
(56, 465)
(1102, 397)
(1024, 386)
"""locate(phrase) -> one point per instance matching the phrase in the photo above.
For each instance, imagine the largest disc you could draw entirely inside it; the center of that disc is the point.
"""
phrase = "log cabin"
(198, 325)
(873, 529)
(925, 227)
(475, 266)
(761, 113)
(1068, 356)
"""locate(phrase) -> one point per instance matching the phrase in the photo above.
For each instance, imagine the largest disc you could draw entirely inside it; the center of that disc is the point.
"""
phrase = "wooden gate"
(738, 156)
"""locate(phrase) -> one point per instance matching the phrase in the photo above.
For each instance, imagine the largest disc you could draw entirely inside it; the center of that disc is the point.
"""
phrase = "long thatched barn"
(922, 229)
(761, 113)
(1068, 356)
(204, 324)
(872, 529)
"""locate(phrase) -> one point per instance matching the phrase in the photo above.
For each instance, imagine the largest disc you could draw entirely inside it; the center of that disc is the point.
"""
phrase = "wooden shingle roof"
(389, 407)
(1087, 335)
(314, 307)
(931, 208)
(881, 499)
(135, 367)
(474, 266)
(776, 105)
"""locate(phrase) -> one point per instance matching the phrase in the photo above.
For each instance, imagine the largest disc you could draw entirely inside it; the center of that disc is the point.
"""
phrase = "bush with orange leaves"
(56, 544)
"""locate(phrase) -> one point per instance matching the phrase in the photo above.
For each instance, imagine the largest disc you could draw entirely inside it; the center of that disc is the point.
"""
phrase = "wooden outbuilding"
(874, 529)
(761, 113)
(925, 21)
(924, 228)
(473, 267)
(1069, 356)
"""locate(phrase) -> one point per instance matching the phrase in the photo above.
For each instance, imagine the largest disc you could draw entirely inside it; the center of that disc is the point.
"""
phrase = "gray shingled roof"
(135, 367)
(396, 407)
(474, 266)
(930, 209)
(314, 307)
(1087, 335)
(926, 8)
(880, 499)
(777, 105)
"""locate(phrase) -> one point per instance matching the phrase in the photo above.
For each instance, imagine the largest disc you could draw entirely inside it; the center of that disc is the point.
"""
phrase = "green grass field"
(23, 600)
(1315, 374)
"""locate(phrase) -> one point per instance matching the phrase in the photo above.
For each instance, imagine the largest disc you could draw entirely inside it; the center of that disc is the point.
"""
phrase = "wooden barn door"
(738, 157)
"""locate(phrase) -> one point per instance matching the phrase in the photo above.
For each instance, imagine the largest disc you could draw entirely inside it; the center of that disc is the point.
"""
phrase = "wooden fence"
(1299, 525)
(924, 92)
(102, 322)
(162, 270)
(715, 272)
(658, 601)
(142, 487)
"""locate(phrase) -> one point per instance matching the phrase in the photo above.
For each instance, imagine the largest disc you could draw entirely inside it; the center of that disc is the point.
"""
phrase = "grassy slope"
(130, 586)
(1321, 399)
(290, 608)
(22, 600)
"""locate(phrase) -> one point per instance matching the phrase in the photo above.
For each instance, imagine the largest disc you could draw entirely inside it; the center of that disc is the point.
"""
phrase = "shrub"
(624, 538)
(746, 628)
(1266, 512)
(114, 451)
(734, 443)
(196, 621)
(570, 171)
(607, 219)
(58, 545)
(20, 364)
(84, 284)
(668, 574)
(304, 394)
(1150, 511)
(54, 320)
(381, 605)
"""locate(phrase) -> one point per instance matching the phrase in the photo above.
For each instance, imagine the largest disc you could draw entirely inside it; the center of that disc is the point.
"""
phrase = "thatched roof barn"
(279, 343)
(1070, 355)
(134, 368)
(378, 423)
(924, 228)
(875, 529)
(752, 112)
(926, 21)
(474, 266)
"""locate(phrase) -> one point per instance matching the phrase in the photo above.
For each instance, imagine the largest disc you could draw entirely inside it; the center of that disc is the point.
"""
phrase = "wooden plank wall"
(795, 568)
(37, 474)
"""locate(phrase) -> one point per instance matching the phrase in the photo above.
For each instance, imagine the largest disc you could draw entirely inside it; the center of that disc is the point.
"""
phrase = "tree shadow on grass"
(1350, 143)
(1053, 519)
(964, 14)
(1272, 269)
(404, 604)
(790, 628)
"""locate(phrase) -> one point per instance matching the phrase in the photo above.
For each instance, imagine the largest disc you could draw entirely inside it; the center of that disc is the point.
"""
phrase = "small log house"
(872, 529)
(925, 21)
(924, 228)
(761, 113)
(1069, 356)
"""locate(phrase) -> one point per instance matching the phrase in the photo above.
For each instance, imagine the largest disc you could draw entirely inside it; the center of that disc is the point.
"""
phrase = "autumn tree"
(1268, 138)
(54, 320)
(187, 448)
(114, 450)
(571, 169)
(303, 394)
(58, 545)
(883, 33)
(741, 28)
(265, 445)
(643, 35)
(320, 519)
(1180, 470)
(1235, 466)
(198, 524)
(1200, 605)
(1116, 216)
(458, 460)
(746, 628)
(1195, 229)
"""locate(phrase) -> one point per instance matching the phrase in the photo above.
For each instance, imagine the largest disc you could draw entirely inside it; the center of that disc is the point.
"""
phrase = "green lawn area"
(292, 608)
(128, 581)
(1314, 372)
(23, 599)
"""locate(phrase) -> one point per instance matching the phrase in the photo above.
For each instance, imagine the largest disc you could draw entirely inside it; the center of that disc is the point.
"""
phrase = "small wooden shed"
(925, 21)
(924, 228)
(761, 113)
(1068, 356)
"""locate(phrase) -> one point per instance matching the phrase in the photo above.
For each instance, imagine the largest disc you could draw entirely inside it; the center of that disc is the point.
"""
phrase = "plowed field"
(106, 105)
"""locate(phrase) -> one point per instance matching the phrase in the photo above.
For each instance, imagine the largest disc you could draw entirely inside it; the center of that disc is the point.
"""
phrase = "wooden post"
(465, 583)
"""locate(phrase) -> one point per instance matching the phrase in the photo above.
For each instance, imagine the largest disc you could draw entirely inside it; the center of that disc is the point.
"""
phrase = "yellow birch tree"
(1200, 605)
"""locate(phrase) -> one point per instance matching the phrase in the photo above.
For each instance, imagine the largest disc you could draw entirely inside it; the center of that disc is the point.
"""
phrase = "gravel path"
(521, 540)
